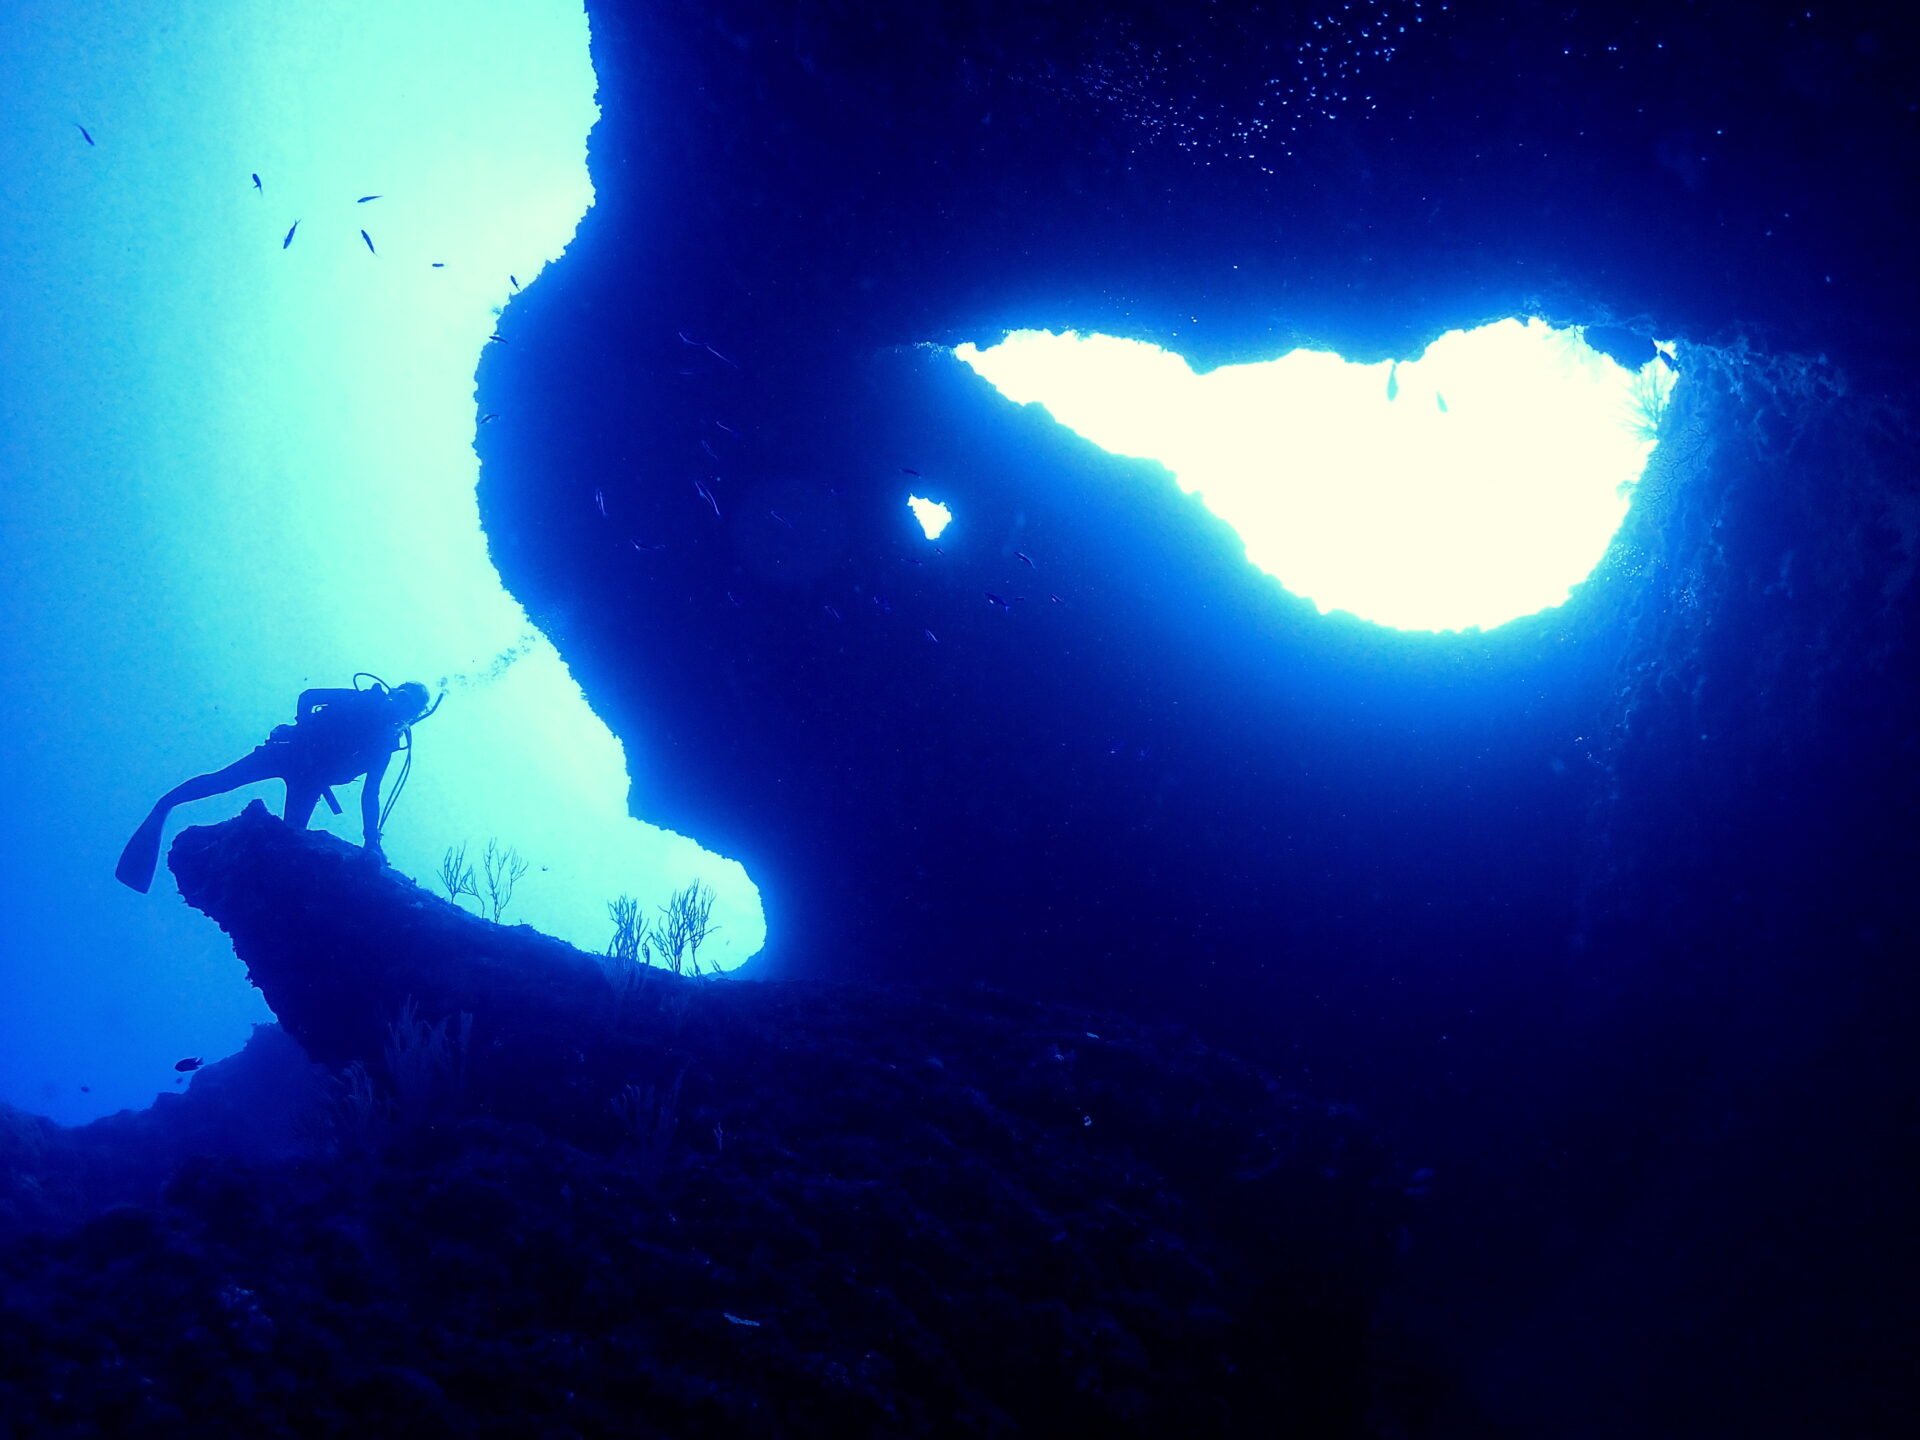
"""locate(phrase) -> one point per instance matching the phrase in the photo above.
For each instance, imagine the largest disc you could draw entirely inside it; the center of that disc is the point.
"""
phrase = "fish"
(881, 601)
(490, 415)
(289, 240)
(911, 560)
(638, 546)
(707, 495)
(256, 181)
(905, 471)
(496, 336)
(686, 339)
(600, 503)
(831, 611)
(730, 599)
(931, 636)
(439, 264)
(714, 454)
(85, 134)
(728, 428)
(364, 198)
(86, 1089)
(1003, 602)
(514, 281)
(369, 239)
(188, 1066)
(1393, 381)
(1056, 599)
(1022, 555)
(781, 518)
(1441, 401)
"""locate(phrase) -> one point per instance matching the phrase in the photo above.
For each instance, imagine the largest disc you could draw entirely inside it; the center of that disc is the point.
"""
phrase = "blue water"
(246, 470)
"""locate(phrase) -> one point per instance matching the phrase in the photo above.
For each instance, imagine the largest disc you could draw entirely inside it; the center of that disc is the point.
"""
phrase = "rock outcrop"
(724, 1208)
(339, 945)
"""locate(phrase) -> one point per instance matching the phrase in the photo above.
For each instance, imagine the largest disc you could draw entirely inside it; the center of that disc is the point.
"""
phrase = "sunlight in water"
(242, 425)
(932, 515)
(1476, 484)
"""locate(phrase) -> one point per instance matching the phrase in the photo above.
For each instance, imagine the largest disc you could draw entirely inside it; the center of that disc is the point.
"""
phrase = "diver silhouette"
(337, 736)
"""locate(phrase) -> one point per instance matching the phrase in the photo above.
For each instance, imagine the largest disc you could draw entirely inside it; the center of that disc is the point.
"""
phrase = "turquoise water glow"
(241, 468)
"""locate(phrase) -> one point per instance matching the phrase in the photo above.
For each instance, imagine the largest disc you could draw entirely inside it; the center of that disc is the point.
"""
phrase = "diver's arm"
(370, 805)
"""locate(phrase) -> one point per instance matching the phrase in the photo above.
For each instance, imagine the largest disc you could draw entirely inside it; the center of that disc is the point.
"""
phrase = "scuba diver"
(337, 736)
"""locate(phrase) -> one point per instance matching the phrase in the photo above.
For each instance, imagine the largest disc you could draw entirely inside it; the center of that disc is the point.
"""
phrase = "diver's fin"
(142, 855)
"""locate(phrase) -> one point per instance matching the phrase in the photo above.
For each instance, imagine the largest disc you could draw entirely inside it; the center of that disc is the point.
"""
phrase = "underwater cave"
(1505, 985)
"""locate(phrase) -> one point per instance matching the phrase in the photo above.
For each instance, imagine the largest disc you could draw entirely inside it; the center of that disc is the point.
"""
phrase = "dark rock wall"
(1178, 760)
(1722, 1136)
(1499, 884)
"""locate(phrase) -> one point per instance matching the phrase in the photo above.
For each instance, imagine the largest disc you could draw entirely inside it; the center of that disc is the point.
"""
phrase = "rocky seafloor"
(514, 1197)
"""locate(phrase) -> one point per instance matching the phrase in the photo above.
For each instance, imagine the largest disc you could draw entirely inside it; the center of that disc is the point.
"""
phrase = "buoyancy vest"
(344, 738)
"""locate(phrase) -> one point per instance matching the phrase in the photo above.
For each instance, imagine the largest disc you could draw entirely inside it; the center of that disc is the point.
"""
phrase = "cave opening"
(932, 516)
(1475, 483)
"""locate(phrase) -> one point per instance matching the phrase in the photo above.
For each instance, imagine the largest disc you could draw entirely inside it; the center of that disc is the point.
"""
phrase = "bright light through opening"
(1474, 485)
(932, 515)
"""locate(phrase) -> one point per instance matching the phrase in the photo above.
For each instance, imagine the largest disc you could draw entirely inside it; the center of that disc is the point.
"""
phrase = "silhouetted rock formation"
(724, 1208)
(255, 1106)
(1525, 888)
(818, 190)
(338, 945)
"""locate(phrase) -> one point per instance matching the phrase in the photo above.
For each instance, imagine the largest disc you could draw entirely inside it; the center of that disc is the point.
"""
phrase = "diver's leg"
(261, 764)
(303, 793)
(142, 855)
